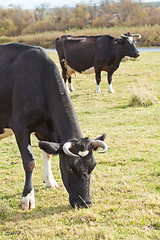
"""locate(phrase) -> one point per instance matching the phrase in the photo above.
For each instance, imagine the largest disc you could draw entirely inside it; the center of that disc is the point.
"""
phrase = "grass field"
(126, 181)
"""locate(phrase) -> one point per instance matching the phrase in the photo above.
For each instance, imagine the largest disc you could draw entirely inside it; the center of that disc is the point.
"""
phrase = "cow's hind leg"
(48, 177)
(23, 140)
(71, 88)
(98, 80)
(64, 72)
(110, 89)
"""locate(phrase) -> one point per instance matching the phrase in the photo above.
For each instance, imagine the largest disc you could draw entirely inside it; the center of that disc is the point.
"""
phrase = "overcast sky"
(31, 4)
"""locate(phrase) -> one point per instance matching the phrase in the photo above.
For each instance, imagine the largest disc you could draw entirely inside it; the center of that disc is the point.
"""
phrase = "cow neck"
(120, 54)
(62, 113)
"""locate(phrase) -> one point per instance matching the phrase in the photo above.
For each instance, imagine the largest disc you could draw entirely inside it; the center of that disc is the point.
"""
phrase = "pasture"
(126, 181)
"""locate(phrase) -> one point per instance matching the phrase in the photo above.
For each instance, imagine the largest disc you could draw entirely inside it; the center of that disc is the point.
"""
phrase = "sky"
(32, 4)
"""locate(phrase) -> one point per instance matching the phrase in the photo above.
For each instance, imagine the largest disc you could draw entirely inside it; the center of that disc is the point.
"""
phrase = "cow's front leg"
(98, 80)
(23, 141)
(48, 176)
(110, 89)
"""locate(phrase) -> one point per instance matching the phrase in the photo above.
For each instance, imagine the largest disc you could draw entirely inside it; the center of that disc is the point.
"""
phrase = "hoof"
(110, 89)
(28, 202)
(50, 182)
(98, 90)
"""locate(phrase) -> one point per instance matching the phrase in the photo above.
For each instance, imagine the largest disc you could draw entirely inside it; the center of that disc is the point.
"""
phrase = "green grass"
(126, 181)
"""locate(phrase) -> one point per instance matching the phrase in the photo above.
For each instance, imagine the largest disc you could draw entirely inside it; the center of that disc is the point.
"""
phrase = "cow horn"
(137, 35)
(99, 143)
(124, 36)
(66, 150)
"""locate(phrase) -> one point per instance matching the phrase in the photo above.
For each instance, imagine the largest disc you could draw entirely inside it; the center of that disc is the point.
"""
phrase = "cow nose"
(137, 54)
(87, 204)
(81, 204)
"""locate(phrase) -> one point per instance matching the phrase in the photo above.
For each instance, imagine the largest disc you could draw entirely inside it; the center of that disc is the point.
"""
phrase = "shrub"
(38, 27)
(4, 39)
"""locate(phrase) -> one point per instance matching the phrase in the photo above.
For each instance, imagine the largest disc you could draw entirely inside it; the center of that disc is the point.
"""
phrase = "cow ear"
(118, 41)
(101, 137)
(99, 142)
(115, 40)
(50, 147)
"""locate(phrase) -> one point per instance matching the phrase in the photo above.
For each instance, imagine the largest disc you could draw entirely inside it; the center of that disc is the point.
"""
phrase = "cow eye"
(71, 170)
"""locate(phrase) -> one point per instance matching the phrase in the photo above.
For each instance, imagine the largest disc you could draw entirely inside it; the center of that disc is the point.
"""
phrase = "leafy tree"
(15, 21)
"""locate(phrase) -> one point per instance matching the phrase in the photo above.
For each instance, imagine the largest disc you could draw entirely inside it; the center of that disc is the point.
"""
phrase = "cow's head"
(76, 164)
(128, 44)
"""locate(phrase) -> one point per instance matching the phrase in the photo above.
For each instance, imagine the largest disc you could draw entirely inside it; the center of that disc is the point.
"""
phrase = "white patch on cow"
(84, 153)
(70, 70)
(48, 177)
(30, 149)
(98, 90)
(71, 88)
(28, 202)
(67, 88)
(131, 39)
(88, 71)
(110, 89)
(7, 133)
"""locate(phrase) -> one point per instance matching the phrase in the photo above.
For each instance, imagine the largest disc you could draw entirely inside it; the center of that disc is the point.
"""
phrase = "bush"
(4, 39)
(38, 27)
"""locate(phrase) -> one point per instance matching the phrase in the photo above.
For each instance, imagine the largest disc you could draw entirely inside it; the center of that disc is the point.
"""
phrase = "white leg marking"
(28, 202)
(98, 90)
(67, 87)
(30, 149)
(48, 177)
(71, 88)
(110, 89)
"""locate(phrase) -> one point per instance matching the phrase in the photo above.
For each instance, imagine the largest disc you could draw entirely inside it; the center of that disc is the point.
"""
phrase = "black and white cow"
(33, 98)
(93, 54)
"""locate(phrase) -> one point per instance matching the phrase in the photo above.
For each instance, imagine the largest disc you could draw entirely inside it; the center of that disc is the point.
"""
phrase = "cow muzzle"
(134, 54)
(80, 203)
(137, 54)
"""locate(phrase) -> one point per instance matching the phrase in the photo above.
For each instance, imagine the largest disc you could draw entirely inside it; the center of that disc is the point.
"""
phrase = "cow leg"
(98, 80)
(48, 177)
(110, 89)
(23, 141)
(64, 73)
(71, 88)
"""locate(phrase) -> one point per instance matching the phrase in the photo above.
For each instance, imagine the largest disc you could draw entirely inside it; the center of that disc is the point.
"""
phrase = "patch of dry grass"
(150, 35)
(142, 95)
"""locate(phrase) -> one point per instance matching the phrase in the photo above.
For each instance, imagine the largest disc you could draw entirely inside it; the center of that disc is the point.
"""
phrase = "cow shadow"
(75, 96)
(120, 107)
(14, 212)
(17, 213)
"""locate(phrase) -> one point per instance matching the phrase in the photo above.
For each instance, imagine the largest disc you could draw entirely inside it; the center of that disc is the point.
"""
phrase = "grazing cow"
(33, 98)
(88, 54)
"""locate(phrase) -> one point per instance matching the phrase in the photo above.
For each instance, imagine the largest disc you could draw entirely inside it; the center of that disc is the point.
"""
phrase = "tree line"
(109, 13)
